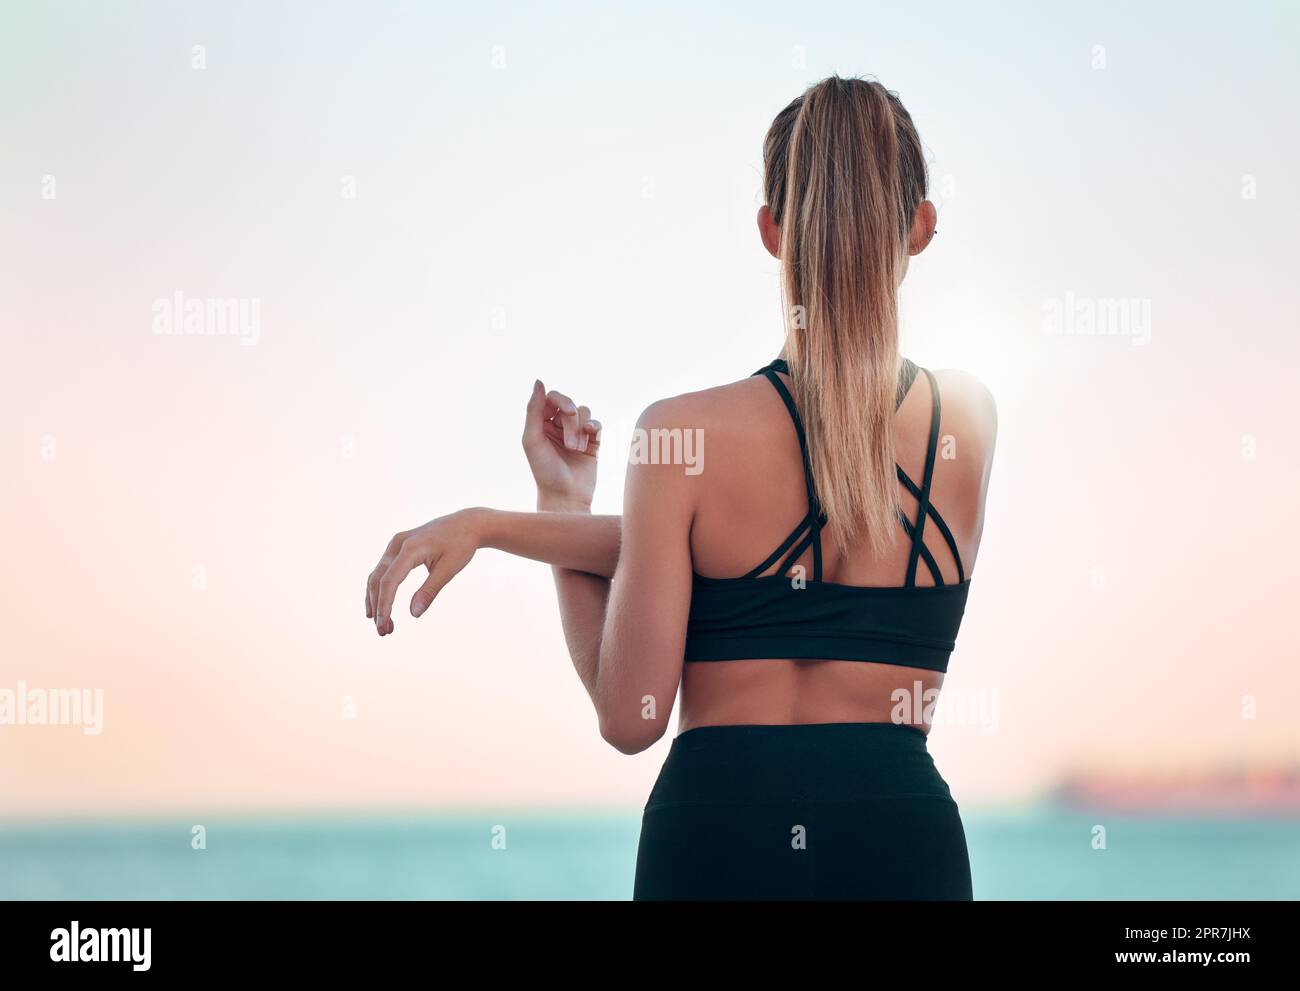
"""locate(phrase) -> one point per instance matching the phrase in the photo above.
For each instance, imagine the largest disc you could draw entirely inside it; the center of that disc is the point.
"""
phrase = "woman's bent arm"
(582, 592)
(623, 583)
(625, 636)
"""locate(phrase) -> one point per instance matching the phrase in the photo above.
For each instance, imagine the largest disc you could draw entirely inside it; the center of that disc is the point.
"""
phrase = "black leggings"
(825, 810)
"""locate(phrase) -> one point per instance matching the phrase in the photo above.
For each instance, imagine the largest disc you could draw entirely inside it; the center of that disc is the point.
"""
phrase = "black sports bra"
(770, 616)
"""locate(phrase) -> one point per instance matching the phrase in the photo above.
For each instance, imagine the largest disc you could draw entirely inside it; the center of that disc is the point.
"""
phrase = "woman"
(805, 590)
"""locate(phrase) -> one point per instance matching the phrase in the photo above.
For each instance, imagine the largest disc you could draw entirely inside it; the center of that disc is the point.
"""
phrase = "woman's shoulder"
(715, 406)
(966, 401)
(672, 432)
(969, 418)
(966, 398)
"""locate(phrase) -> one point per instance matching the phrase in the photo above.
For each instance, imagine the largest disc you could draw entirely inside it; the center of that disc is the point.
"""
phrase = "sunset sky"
(433, 207)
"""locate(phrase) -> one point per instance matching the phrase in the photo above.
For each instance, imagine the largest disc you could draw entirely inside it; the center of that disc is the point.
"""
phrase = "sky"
(418, 209)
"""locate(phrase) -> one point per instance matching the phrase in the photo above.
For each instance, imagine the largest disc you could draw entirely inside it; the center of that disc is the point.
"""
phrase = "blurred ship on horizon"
(1264, 790)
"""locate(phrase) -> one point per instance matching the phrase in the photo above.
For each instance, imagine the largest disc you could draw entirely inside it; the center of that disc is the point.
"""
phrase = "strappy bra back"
(763, 616)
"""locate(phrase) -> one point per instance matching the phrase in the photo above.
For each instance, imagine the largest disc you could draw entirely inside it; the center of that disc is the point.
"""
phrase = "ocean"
(1039, 853)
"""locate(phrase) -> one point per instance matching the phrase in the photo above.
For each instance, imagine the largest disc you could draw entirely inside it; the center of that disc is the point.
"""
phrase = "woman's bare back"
(750, 495)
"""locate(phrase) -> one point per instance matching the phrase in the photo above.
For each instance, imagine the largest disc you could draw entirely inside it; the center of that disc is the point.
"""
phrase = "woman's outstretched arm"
(565, 536)
(573, 541)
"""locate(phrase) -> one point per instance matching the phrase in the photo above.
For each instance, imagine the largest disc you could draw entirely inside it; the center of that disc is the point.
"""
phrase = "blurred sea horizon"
(1040, 851)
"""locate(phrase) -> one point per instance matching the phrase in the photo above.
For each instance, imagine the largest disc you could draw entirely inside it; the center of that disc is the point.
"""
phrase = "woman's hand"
(444, 546)
(562, 442)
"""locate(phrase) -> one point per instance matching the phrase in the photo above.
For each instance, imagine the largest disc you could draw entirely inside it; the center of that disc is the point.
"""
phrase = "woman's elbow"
(631, 737)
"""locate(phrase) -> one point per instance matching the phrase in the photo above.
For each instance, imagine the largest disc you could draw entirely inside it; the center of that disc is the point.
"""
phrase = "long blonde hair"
(844, 175)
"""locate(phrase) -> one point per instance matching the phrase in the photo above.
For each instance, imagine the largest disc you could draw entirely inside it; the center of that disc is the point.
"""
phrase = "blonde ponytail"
(844, 176)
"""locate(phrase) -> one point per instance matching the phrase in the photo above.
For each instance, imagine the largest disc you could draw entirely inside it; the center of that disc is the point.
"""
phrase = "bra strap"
(816, 517)
(812, 538)
(906, 376)
(938, 521)
(815, 521)
(907, 373)
(926, 556)
(923, 500)
(785, 546)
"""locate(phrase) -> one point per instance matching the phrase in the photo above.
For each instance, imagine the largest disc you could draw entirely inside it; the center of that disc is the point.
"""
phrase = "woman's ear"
(923, 227)
(769, 231)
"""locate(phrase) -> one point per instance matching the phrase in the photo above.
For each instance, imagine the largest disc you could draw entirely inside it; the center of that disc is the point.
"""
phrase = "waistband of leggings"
(885, 733)
(818, 761)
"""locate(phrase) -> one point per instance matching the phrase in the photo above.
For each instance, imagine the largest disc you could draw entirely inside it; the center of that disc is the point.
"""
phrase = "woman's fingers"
(559, 402)
(444, 546)
(535, 415)
(372, 582)
(553, 414)
(563, 412)
(407, 558)
(447, 567)
(372, 586)
(584, 417)
(591, 431)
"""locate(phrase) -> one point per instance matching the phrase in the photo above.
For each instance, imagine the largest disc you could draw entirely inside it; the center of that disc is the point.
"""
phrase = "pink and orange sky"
(431, 208)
